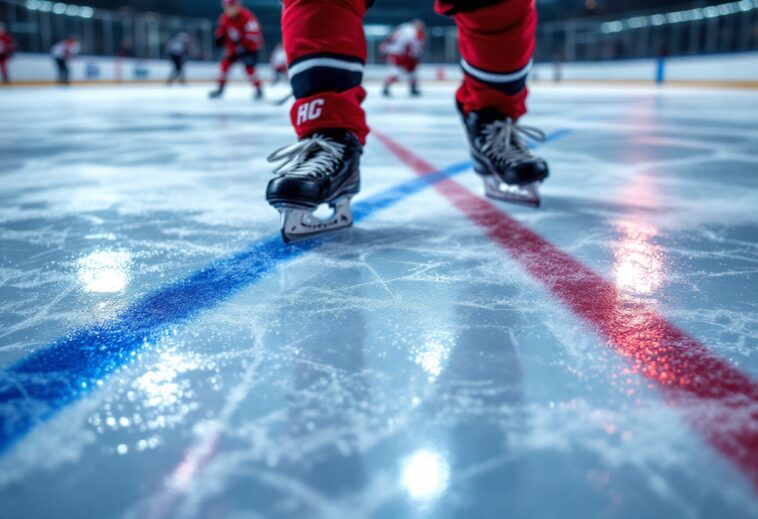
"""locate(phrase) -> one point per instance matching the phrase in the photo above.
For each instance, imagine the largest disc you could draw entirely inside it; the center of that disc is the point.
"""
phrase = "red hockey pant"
(326, 51)
(249, 59)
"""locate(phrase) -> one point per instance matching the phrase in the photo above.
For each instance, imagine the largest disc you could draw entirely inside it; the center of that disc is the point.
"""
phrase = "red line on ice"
(718, 400)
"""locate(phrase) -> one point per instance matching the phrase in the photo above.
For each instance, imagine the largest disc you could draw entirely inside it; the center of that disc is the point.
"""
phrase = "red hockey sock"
(497, 43)
(326, 51)
(328, 110)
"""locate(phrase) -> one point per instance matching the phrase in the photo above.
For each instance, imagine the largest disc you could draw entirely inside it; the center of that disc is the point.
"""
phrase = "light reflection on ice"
(433, 352)
(159, 385)
(426, 474)
(638, 268)
(105, 271)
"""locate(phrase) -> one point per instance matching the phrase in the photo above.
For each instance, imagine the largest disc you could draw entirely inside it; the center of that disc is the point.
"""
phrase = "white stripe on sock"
(325, 62)
(491, 77)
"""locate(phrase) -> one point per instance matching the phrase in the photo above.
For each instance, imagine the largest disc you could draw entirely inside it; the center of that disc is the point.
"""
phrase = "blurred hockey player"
(279, 64)
(326, 50)
(240, 32)
(403, 49)
(7, 48)
(179, 49)
(63, 52)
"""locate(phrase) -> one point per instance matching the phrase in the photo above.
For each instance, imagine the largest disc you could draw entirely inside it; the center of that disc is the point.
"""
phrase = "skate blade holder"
(527, 194)
(300, 223)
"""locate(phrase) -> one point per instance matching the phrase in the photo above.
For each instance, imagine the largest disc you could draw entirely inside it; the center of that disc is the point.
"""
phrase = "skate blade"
(528, 194)
(300, 223)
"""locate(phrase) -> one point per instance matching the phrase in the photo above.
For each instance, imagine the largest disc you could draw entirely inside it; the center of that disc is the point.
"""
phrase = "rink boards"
(738, 69)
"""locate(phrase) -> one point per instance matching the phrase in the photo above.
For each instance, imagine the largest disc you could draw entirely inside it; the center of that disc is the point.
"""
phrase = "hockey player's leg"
(391, 80)
(392, 77)
(493, 95)
(415, 92)
(178, 73)
(255, 81)
(326, 51)
(226, 63)
(172, 77)
(60, 66)
(251, 60)
(64, 74)
(413, 78)
(4, 70)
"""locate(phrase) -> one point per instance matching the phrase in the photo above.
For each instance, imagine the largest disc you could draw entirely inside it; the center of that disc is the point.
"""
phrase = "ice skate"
(415, 92)
(258, 95)
(216, 94)
(320, 169)
(501, 156)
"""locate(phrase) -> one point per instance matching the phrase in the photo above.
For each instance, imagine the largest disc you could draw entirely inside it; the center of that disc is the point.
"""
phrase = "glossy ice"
(410, 367)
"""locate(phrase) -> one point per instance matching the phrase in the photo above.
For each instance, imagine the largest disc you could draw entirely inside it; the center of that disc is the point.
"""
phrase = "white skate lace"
(505, 141)
(313, 157)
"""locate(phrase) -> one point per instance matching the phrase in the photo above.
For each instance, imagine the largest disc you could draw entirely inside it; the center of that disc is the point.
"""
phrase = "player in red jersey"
(240, 32)
(403, 49)
(326, 50)
(7, 48)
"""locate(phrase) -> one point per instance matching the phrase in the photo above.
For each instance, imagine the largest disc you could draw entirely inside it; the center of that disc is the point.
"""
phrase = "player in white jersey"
(62, 52)
(279, 64)
(403, 49)
(179, 49)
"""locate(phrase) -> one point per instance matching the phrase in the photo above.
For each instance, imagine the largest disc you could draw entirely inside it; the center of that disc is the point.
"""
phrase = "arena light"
(636, 23)
(725, 9)
(60, 8)
(690, 15)
(611, 27)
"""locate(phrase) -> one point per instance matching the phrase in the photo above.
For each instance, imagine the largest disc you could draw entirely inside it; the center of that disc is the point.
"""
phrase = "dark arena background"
(181, 338)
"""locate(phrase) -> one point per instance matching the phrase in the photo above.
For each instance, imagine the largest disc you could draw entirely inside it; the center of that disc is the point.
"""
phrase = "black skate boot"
(386, 90)
(415, 92)
(323, 168)
(501, 156)
(258, 94)
(216, 94)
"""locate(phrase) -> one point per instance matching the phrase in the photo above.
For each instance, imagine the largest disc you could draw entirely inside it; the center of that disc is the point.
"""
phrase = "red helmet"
(230, 3)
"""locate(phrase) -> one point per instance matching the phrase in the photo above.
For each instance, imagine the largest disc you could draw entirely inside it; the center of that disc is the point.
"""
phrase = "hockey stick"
(280, 102)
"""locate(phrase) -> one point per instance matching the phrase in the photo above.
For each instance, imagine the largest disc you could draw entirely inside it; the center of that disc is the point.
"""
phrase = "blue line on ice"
(37, 387)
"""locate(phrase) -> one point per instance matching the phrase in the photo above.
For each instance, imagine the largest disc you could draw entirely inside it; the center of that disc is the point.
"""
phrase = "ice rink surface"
(162, 354)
